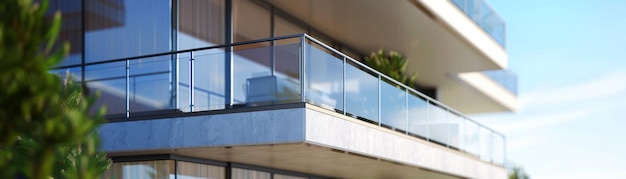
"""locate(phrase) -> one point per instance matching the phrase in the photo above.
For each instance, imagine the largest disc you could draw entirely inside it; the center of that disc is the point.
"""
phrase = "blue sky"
(570, 57)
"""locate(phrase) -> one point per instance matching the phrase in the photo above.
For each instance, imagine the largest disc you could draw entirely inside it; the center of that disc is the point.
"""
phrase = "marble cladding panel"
(245, 128)
(331, 131)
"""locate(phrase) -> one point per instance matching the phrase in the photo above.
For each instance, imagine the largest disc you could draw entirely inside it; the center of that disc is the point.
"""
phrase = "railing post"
(127, 89)
(345, 106)
(228, 57)
(447, 127)
(302, 68)
(427, 120)
(191, 82)
(406, 110)
(379, 100)
(480, 142)
(503, 149)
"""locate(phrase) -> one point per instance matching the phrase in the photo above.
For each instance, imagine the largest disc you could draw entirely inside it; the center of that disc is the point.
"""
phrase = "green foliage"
(392, 65)
(44, 124)
(518, 172)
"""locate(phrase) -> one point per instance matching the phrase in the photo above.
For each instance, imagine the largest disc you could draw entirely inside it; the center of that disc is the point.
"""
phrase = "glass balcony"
(485, 17)
(288, 69)
(505, 78)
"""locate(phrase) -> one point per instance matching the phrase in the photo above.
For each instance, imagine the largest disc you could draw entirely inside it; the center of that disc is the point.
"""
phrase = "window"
(126, 28)
(239, 173)
(188, 170)
(141, 170)
(200, 23)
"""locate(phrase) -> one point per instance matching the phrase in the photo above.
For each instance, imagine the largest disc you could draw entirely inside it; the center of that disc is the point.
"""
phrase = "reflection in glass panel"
(182, 60)
(287, 70)
(438, 124)
(149, 81)
(252, 63)
(485, 144)
(208, 80)
(324, 78)
(455, 130)
(472, 137)
(361, 94)
(150, 84)
(418, 115)
(251, 20)
(109, 80)
(279, 176)
(393, 106)
(200, 23)
(497, 150)
(160, 169)
(71, 25)
(238, 173)
(188, 170)
(126, 28)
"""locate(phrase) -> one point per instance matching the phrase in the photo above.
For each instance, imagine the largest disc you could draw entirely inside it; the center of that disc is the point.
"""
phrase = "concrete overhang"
(476, 93)
(437, 38)
(298, 137)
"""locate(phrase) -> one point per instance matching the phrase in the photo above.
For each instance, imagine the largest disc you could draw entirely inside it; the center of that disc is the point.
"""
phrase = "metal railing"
(485, 17)
(286, 69)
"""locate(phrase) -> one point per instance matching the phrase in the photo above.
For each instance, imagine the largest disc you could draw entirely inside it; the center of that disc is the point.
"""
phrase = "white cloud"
(549, 119)
(551, 107)
(608, 84)
(583, 174)
(529, 131)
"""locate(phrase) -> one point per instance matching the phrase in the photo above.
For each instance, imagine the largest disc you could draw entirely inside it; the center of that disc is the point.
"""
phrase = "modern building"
(275, 88)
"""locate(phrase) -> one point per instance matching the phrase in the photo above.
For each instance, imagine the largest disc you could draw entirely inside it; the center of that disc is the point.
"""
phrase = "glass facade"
(182, 169)
(200, 23)
(189, 170)
(158, 169)
(124, 28)
(71, 27)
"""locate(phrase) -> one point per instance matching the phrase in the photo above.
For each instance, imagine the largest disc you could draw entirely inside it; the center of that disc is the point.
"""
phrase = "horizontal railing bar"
(130, 76)
(183, 51)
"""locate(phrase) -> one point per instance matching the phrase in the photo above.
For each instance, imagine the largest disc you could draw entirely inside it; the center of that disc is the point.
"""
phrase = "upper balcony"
(485, 17)
(282, 70)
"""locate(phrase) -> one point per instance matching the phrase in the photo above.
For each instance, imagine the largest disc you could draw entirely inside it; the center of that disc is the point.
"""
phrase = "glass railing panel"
(209, 79)
(485, 17)
(418, 115)
(497, 148)
(438, 128)
(287, 60)
(361, 94)
(393, 106)
(485, 144)
(506, 79)
(472, 137)
(184, 84)
(266, 74)
(109, 80)
(150, 84)
(456, 131)
(251, 70)
(324, 79)
(287, 71)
